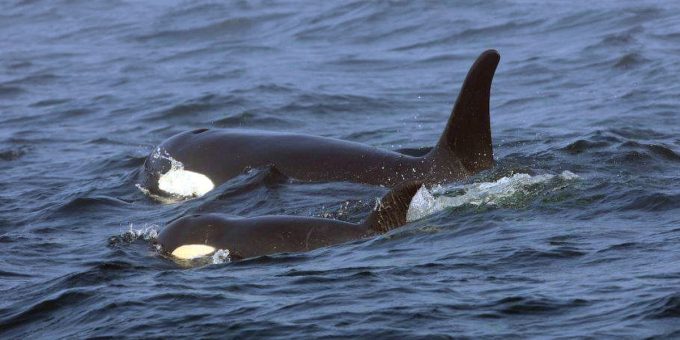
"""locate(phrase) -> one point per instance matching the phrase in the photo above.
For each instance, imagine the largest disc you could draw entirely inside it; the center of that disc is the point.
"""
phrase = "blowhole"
(197, 131)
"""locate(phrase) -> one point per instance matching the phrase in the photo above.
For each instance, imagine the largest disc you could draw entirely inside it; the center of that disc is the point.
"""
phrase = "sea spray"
(426, 202)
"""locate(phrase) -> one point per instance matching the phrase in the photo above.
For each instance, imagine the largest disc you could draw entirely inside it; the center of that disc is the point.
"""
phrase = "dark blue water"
(88, 88)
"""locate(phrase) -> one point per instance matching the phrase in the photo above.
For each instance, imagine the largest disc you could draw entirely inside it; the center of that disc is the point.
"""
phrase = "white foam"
(221, 256)
(425, 202)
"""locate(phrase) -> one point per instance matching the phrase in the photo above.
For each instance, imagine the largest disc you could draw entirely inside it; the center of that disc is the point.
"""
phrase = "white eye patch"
(192, 251)
(185, 183)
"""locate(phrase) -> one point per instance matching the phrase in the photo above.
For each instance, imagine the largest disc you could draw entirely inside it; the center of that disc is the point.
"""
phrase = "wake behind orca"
(200, 235)
(192, 163)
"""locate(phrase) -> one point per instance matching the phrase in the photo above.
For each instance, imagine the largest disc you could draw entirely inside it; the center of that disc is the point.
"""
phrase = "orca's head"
(155, 166)
(164, 176)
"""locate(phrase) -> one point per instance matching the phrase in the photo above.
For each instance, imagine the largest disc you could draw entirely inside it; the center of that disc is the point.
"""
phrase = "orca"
(192, 163)
(196, 236)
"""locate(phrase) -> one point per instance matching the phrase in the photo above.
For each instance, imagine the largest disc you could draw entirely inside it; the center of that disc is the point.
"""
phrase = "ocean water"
(574, 233)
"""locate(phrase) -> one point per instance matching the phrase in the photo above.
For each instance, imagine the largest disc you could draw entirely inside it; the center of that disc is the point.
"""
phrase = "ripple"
(236, 28)
(630, 60)
(329, 104)
(36, 79)
(529, 255)
(247, 118)
(581, 146)
(50, 102)
(519, 305)
(663, 152)
(10, 91)
(209, 104)
(205, 103)
(653, 202)
(4, 273)
(621, 39)
(46, 308)
(87, 88)
(14, 154)
(506, 28)
(84, 204)
(665, 307)
(625, 247)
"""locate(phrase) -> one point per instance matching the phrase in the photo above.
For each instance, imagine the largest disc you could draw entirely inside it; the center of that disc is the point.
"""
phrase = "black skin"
(264, 235)
(221, 154)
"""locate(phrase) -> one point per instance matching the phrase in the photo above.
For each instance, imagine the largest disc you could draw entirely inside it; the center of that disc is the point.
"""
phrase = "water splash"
(149, 232)
(426, 202)
(221, 256)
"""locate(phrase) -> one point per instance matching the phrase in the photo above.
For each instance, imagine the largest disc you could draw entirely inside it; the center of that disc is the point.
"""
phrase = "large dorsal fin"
(468, 131)
(391, 211)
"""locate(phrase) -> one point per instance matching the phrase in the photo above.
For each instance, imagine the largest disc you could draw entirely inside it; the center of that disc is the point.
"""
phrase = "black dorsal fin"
(391, 211)
(468, 131)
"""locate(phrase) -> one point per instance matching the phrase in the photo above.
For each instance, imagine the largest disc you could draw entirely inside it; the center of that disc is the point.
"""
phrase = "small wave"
(640, 154)
(75, 112)
(333, 104)
(10, 91)
(36, 79)
(12, 154)
(635, 133)
(49, 102)
(266, 88)
(248, 118)
(47, 307)
(583, 145)
(529, 305)
(531, 255)
(425, 203)
(666, 307)
(206, 104)
(630, 60)
(629, 147)
(619, 39)
(653, 202)
(663, 152)
(81, 204)
(508, 27)
(626, 246)
(653, 149)
(230, 28)
(6, 274)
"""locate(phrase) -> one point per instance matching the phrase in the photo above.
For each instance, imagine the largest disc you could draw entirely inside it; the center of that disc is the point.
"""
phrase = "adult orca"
(201, 235)
(192, 163)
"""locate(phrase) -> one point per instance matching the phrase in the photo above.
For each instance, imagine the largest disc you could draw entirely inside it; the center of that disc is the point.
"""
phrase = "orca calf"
(192, 163)
(201, 235)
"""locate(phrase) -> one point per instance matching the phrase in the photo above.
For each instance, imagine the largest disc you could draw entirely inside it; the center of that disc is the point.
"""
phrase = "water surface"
(88, 88)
